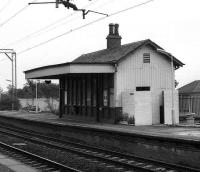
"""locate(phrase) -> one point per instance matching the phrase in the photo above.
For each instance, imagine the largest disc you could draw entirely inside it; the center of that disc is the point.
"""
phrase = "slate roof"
(193, 87)
(107, 56)
(115, 54)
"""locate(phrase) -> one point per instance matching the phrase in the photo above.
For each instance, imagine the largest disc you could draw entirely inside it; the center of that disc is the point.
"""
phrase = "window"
(142, 88)
(146, 58)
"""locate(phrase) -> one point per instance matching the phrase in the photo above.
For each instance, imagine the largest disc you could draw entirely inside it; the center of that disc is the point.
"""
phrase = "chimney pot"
(111, 28)
(117, 29)
(113, 39)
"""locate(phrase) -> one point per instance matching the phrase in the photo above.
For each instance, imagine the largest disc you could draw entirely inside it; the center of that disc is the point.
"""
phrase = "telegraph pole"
(12, 83)
(11, 54)
(15, 57)
(36, 96)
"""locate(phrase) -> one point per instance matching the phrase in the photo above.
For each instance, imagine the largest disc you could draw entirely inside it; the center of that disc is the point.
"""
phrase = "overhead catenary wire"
(85, 25)
(38, 32)
(47, 27)
(14, 15)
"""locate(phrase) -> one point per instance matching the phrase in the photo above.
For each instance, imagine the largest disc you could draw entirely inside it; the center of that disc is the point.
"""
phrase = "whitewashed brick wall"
(42, 103)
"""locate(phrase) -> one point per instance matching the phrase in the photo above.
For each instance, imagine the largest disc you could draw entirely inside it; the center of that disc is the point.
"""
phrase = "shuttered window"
(146, 58)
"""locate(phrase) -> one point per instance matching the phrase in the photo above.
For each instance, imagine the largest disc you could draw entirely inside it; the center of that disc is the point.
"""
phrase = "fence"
(189, 104)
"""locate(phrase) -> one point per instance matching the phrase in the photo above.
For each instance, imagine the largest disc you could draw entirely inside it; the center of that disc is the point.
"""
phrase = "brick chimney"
(113, 39)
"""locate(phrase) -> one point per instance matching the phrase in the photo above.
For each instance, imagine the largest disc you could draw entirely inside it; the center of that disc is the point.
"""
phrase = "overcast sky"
(172, 24)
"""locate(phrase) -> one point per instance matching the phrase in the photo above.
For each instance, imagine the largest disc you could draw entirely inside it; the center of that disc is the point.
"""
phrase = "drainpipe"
(115, 95)
(115, 66)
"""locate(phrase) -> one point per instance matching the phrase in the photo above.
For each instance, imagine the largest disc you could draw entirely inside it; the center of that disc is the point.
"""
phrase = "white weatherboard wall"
(132, 73)
(168, 107)
(143, 108)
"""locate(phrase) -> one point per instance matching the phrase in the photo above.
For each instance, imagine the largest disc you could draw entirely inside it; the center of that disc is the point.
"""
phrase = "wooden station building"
(121, 80)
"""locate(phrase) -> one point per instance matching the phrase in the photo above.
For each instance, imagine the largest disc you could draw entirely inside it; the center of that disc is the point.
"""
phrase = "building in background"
(133, 80)
(189, 98)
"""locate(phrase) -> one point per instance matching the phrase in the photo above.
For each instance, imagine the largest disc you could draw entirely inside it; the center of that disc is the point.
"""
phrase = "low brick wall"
(182, 152)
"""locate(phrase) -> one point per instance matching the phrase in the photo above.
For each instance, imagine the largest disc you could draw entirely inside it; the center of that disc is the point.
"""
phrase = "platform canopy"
(58, 70)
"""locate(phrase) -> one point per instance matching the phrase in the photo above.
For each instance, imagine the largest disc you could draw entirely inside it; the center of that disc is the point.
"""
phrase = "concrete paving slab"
(188, 133)
(8, 162)
(3, 156)
(5, 169)
(11, 165)
(22, 168)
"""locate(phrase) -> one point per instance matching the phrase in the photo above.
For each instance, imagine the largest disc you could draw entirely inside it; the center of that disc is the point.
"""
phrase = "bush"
(125, 117)
(131, 120)
(122, 117)
(6, 103)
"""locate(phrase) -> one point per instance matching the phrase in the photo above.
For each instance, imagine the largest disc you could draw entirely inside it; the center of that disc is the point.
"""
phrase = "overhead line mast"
(69, 5)
(85, 25)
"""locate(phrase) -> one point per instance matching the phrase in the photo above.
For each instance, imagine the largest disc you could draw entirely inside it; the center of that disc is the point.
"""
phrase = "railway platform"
(178, 144)
(181, 131)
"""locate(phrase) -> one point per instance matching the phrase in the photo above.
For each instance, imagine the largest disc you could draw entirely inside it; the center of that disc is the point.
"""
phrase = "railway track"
(38, 162)
(116, 160)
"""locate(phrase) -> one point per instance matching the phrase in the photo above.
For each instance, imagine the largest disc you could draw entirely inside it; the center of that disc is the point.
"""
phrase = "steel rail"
(82, 153)
(56, 165)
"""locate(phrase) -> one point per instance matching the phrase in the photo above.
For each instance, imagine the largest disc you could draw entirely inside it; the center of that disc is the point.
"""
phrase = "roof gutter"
(171, 57)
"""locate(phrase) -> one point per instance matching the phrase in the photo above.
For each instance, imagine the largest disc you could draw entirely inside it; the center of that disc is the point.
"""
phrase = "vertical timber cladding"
(105, 88)
(88, 97)
(61, 94)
